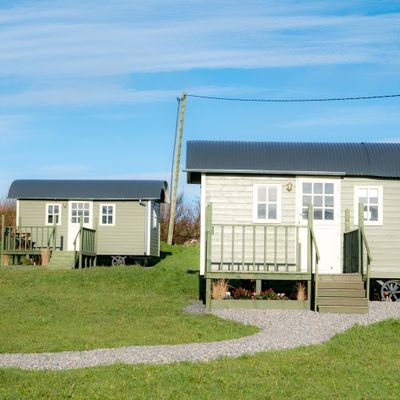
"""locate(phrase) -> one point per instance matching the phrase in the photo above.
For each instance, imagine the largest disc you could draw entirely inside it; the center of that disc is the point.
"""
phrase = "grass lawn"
(363, 363)
(45, 310)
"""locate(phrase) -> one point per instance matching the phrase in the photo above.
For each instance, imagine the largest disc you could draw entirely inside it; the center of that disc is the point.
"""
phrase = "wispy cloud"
(56, 40)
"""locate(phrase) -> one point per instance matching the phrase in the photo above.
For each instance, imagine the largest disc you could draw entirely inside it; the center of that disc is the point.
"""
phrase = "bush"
(187, 221)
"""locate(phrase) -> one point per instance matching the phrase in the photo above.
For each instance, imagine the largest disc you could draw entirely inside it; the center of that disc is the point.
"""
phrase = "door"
(324, 195)
(76, 211)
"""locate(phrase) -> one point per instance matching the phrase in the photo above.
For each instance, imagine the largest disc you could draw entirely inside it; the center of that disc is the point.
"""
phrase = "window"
(107, 214)
(78, 211)
(155, 219)
(321, 195)
(371, 197)
(53, 214)
(267, 203)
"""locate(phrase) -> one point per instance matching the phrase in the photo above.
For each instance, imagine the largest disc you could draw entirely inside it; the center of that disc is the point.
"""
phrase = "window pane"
(305, 213)
(73, 220)
(318, 201)
(261, 194)
(363, 193)
(261, 211)
(318, 213)
(104, 209)
(329, 214)
(363, 200)
(272, 211)
(318, 188)
(103, 219)
(272, 194)
(307, 187)
(373, 200)
(109, 220)
(373, 213)
(57, 219)
(56, 209)
(328, 201)
(86, 220)
(86, 206)
(373, 193)
(50, 209)
(306, 201)
(110, 209)
(328, 188)
(50, 219)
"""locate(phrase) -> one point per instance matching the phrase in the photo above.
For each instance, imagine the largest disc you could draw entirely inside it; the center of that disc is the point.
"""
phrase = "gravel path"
(279, 330)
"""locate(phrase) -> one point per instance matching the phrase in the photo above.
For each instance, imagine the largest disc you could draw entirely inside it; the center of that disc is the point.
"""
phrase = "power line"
(385, 96)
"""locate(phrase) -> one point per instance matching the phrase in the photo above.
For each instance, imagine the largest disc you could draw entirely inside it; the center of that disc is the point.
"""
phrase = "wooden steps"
(344, 294)
(62, 260)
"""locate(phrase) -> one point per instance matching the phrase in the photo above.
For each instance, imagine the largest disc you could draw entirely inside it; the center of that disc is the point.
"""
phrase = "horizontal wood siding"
(384, 240)
(232, 203)
(127, 236)
(33, 213)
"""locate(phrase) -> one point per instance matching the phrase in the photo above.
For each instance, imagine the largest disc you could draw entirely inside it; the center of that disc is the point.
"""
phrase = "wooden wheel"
(390, 291)
(118, 260)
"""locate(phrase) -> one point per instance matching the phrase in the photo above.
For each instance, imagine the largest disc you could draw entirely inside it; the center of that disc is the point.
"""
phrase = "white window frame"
(101, 214)
(336, 200)
(90, 211)
(278, 188)
(47, 213)
(380, 204)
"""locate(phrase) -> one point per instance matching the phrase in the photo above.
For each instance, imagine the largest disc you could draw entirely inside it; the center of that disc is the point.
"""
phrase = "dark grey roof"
(89, 189)
(354, 159)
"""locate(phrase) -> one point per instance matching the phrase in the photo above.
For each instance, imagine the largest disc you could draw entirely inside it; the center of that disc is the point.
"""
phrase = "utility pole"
(175, 176)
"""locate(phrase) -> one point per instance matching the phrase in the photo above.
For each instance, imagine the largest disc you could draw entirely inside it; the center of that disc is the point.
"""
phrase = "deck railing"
(258, 248)
(356, 252)
(26, 239)
(84, 244)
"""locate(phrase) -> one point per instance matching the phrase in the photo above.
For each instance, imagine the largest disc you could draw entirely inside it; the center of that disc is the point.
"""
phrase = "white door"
(76, 211)
(324, 195)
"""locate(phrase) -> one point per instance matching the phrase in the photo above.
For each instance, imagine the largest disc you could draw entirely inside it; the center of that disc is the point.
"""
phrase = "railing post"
(208, 236)
(2, 240)
(360, 241)
(309, 237)
(80, 241)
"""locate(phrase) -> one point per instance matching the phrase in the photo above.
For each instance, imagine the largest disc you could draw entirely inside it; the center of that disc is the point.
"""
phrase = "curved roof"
(353, 159)
(89, 189)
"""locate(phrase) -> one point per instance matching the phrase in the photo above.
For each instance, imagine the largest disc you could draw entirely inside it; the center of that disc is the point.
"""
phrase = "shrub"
(219, 289)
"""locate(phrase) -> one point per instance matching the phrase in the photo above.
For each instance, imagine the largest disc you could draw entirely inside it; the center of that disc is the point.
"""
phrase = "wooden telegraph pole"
(175, 176)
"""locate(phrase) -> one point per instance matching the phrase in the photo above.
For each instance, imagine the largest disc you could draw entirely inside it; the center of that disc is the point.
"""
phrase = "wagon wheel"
(118, 260)
(390, 291)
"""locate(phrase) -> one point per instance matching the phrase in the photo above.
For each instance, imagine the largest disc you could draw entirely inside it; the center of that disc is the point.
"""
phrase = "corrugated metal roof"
(355, 159)
(89, 189)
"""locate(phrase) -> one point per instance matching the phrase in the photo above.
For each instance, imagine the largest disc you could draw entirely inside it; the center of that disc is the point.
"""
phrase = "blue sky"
(88, 88)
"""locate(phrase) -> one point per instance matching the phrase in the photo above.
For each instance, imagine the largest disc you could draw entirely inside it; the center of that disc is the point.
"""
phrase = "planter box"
(261, 304)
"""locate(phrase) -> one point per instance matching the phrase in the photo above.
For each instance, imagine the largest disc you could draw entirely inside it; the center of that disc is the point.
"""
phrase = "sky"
(89, 88)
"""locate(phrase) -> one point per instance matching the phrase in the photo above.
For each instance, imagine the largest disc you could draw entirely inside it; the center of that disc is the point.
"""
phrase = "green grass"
(363, 363)
(52, 311)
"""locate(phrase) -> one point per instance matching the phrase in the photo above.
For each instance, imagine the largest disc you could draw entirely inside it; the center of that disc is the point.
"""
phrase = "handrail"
(87, 244)
(369, 259)
(317, 258)
(52, 236)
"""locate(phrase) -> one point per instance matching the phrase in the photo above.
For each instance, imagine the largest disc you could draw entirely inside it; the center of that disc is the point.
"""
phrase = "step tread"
(344, 309)
(341, 292)
(340, 277)
(340, 301)
(341, 285)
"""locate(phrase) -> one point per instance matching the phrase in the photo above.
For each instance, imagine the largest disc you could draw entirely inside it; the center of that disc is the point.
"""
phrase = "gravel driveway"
(279, 330)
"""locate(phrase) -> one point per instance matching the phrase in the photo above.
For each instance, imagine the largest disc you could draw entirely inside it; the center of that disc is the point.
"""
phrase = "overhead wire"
(304, 100)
